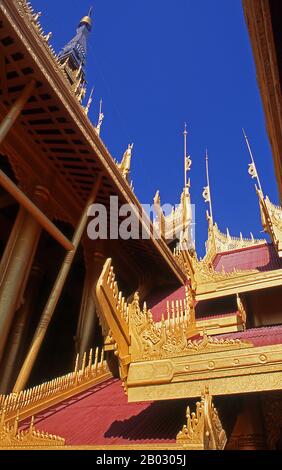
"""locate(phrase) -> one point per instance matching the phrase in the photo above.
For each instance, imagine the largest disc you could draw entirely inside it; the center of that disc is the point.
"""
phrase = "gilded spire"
(252, 166)
(87, 20)
(207, 191)
(187, 158)
(89, 102)
(100, 118)
(125, 164)
(76, 49)
(271, 215)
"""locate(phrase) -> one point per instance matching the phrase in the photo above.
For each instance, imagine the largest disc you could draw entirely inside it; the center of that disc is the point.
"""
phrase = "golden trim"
(232, 371)
(12, 438)
(271, 217)
(30, 401)
(137, 338)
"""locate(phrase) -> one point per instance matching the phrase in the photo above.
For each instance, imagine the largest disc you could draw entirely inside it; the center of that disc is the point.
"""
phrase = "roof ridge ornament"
(100, 118)
(271, 215)
(125, 163)
(177, 224)
(219, 242)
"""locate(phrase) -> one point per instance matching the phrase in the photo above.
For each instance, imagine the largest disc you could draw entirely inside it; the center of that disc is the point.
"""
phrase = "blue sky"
(159, 63)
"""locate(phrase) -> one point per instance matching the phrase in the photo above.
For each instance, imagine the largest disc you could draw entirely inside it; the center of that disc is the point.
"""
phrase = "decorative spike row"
(18, 402)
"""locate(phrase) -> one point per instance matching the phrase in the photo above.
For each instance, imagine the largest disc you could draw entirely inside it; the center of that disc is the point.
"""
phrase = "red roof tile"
(102, 416)
(261, 257)
(259, 336)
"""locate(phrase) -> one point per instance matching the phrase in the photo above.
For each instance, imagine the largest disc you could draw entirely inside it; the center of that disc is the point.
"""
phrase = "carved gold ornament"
(203, 427)
(13, 438)
(30, 401)
(137, 337)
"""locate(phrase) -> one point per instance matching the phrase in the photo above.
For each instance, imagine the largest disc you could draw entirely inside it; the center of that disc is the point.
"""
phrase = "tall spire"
(100, 118)
(207, 191)
(271, 215)
(76, 48)
(252, 166)
(187, 158)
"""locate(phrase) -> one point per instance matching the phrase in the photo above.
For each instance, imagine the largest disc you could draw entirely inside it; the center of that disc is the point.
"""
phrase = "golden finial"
(207, 191)
(87, 20)
(252, 166)
(187, 158)
(100, 118)
(126, 161)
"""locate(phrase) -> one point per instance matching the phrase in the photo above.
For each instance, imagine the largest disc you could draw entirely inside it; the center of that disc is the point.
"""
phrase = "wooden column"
(13, 356)
(17, 269)
(248, 432)
(55, 294)
(11, 242)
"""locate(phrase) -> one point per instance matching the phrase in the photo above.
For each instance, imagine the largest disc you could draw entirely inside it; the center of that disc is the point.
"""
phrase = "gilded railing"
(28, 402)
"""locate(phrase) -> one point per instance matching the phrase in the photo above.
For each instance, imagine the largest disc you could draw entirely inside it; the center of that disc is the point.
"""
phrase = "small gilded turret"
(73, 56)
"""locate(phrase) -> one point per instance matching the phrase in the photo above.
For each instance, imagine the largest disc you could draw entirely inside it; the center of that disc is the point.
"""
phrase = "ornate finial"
(252, 166)
(100, 118)
(73, 57)
(126, 161)
(207, 192)
(90, 99)
(187, 158)
(87, 20)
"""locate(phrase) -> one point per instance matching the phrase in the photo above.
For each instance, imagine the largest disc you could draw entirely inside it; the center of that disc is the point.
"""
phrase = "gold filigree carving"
(242, 310)
(177, 224)
(136, 337)
(205, 272)
(201, 272)
(203, 428)
(219, 242)
(226, 242)
(209, 344)
(271, 217)
(12, 437)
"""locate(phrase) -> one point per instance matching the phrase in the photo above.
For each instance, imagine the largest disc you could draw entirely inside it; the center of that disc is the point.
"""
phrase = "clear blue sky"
(158, 63)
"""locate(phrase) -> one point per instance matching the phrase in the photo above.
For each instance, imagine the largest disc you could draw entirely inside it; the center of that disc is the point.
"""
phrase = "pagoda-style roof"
(103, 416)
(55, 144)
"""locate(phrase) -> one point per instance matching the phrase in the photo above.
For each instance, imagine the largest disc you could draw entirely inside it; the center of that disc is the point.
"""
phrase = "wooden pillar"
(55, 294)
(248, 432)
(18, 266)
(94, 261)
(13, 356)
